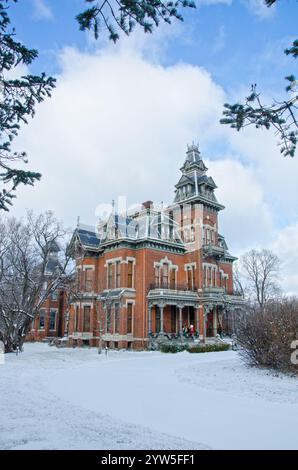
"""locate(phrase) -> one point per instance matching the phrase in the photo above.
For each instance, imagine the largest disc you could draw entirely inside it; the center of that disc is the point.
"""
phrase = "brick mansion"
(151, 274)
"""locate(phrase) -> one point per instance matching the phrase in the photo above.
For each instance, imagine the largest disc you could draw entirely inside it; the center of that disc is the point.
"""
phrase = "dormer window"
(137, 231)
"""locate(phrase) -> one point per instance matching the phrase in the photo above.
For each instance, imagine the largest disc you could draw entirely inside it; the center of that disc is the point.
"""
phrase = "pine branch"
(282, 116)
(19, 98)
(125, 14)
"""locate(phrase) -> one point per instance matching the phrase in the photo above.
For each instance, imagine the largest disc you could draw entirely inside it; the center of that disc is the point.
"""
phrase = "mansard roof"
(223, 243)
(184, 180)
(145, 226)
(54, 247)
(52, 266)
(190, 179)
(87, 237)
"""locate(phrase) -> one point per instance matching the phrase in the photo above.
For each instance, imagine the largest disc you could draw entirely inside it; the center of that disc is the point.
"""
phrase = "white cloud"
(247, 219)
(260, 9)
(116, 124)
(41, 10)
(285, 245)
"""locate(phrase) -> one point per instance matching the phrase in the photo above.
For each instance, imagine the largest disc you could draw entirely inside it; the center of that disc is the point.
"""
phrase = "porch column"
(180, 307)
(150, 319)
(206, 310)
(161, 307)
(214, 320)
(197, 318)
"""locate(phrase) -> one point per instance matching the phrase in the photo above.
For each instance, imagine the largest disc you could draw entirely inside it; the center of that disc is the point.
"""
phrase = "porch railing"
(172, 286)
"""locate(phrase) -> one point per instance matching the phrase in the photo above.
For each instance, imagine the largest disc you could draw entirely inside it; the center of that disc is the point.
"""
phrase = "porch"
(174, 314)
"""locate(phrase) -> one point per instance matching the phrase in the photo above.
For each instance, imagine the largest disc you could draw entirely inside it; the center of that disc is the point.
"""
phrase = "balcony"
(173, 294)
(213, 251)
(214, 290)
(220, 294)
(175, 287)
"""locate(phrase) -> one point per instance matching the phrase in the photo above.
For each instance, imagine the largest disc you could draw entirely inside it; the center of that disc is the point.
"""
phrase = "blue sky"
(233, 40)
(121, 116)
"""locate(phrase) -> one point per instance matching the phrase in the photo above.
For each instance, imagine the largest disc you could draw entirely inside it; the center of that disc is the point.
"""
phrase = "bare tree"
(30, 270)
(267, 337)
(261, 269)
(238, 285)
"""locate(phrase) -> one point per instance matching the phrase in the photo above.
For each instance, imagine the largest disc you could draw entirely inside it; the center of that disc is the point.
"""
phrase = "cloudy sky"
(121, 116)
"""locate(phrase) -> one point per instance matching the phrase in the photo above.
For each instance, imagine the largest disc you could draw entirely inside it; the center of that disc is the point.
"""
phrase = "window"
(110, 276)
(41, 319)
(76, 325)
(129, 318)
(88, 279)
(190, 277)
(118, 267)
(209, 276)
(129, 274)
(117, 318)
(54, 295)
(109, 320)
(165, 275)
(52, 319)
(207, 236)
(87, 310)
(192, 234)
(173, 279)
(157, 276)
(171, 219)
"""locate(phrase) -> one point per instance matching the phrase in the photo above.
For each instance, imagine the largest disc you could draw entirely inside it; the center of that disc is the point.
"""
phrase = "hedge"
(202, 348)
(199, 348)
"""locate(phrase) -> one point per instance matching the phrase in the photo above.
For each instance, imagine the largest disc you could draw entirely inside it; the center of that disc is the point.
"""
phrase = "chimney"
(147, 204)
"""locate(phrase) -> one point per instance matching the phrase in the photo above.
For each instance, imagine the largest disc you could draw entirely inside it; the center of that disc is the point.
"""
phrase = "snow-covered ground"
(76, 399)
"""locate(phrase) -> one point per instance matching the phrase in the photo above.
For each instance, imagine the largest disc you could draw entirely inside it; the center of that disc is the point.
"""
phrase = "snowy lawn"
(76, 399)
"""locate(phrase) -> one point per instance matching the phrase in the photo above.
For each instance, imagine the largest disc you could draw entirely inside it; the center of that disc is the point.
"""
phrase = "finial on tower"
(193, 147)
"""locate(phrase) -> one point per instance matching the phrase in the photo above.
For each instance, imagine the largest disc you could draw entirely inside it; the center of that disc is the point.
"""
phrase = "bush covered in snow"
(202, 348)
(268, 336)
(173, 347)
(198, 348)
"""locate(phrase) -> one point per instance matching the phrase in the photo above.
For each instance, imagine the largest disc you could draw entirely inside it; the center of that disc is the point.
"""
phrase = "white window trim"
(190, 265)
(88, 266)
(113, 261)
(127, 259)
